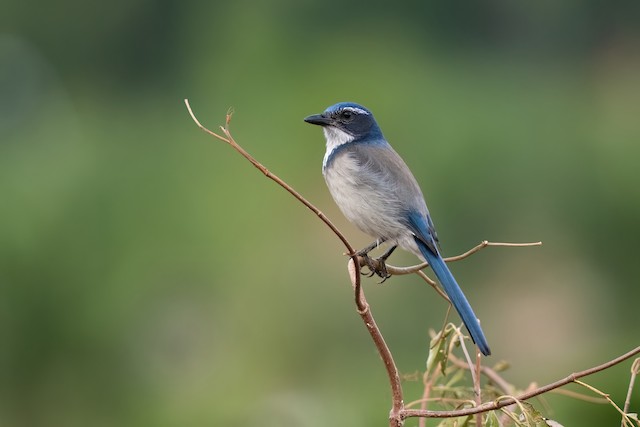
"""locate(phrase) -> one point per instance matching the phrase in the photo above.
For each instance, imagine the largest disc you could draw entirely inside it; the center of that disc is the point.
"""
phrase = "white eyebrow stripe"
(356, 110)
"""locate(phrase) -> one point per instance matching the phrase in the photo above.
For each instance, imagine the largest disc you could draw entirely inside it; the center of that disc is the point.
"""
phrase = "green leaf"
(456, 422)
(438, 351)
(531, 416)
(492, 420)
(455, 378)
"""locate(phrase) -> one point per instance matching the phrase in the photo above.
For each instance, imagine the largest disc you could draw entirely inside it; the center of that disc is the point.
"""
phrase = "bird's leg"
(365, 251)
(382, 264)
(364, 254)
(377, 265)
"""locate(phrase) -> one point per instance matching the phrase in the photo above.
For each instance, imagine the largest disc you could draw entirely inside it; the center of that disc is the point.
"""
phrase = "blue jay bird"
(376, 191)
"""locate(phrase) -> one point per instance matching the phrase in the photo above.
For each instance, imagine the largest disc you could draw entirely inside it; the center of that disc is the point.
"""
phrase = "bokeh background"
(150, 277)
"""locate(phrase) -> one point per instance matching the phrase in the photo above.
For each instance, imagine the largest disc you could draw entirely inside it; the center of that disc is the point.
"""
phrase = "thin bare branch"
(476, 384)
(470, 366)
(490, 406)
(626, 421)
(433, 284)
(491, 374)
(231, 141)
(427, 381)
(395, 417)
(398, 271)
(635, 369)
(486, 243)
(193, 117)
(579, 396)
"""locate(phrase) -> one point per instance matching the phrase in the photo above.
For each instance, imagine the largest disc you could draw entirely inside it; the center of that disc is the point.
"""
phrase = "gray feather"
(376, 191)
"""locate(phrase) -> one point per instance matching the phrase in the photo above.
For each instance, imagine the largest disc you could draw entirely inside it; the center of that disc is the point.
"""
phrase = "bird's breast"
(365, 198)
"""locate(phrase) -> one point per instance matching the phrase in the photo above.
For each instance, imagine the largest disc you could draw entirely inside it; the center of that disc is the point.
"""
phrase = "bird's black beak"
(318, 119)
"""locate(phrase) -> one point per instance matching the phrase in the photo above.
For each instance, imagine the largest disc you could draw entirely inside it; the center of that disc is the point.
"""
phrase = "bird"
(376, 191)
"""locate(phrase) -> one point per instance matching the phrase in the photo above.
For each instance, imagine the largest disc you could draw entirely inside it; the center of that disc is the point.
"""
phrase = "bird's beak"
(318, 119)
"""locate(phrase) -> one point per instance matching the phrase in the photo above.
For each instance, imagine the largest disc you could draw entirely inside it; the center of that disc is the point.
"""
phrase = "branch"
(488, 372)
(229, 140)
(398, 271)
(626, 420)
(635, 369)
(395, 418)
(490, 406)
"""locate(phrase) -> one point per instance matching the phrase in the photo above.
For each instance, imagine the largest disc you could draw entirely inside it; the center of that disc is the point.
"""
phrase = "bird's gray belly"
(369, 202)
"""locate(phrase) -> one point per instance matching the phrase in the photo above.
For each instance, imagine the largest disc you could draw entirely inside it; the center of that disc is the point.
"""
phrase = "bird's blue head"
(347, 118)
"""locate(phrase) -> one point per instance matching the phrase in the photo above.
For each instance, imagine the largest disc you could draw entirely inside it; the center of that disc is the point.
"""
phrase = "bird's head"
(347, 121)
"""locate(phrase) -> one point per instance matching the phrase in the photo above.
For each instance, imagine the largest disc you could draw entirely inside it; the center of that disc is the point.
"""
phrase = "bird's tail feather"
(456, 296)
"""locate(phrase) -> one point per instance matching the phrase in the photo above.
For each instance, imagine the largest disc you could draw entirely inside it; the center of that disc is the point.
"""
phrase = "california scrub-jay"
(376, 191)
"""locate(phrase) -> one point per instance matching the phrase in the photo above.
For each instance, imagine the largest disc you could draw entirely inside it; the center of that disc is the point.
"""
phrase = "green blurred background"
(150, 277)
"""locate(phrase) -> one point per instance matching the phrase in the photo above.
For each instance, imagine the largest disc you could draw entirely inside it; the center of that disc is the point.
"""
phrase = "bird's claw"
(376, 266)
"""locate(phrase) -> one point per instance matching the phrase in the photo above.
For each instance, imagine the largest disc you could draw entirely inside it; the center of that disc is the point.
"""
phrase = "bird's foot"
(376, 266)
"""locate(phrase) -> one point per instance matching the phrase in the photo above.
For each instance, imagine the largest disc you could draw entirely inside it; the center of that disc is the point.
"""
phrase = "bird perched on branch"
(376, 191)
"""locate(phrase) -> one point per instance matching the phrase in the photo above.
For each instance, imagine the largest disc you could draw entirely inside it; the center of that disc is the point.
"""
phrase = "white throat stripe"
(335, 138)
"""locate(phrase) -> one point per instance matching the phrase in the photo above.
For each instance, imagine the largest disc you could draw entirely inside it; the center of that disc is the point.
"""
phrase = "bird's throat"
(335, 138)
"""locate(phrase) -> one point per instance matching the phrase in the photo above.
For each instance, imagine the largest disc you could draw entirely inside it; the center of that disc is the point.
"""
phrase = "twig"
(511, 414)
(625, 418)
(474, 376)
(490, 406)
(474, 369)
(488, 372)
(398, 271)
(486, 243)
(579, 396)
(635, 369)
(395, 416)
(477, 388)
(433, 284)
(450, 400)
(229, 140)
(426, 392)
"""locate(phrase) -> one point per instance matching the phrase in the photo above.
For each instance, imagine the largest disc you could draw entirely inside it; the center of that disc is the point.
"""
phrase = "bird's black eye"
(346, 115)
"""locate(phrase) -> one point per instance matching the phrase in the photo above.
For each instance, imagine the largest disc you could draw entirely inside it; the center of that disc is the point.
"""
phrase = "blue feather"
(456, 296)
(427, 245)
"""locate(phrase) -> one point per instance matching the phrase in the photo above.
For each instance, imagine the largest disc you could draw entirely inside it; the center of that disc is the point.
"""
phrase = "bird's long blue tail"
(456, 296)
